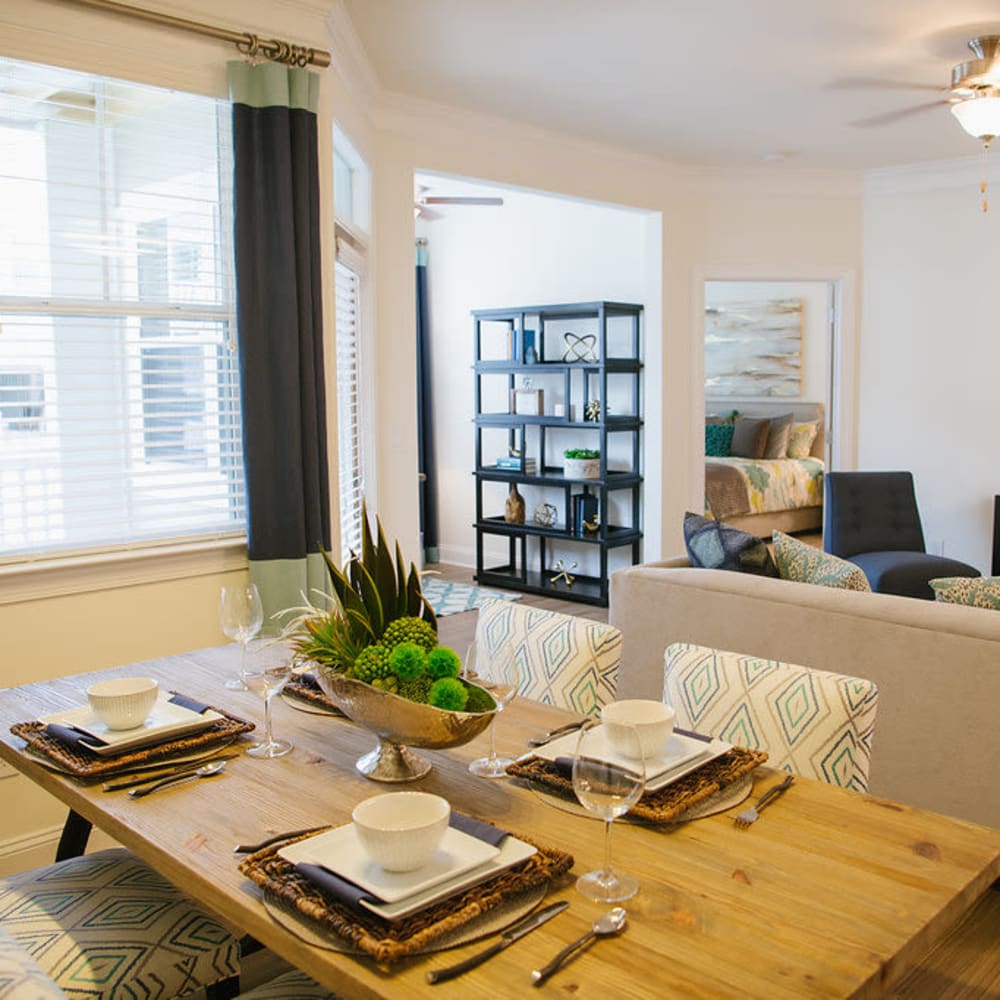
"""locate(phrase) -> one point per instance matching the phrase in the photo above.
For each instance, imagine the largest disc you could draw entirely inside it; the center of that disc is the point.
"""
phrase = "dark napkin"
(346, 892)
(74, 737)
(188, 703)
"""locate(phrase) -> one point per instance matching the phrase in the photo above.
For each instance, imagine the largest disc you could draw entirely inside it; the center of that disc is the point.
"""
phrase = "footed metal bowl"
(399, 724)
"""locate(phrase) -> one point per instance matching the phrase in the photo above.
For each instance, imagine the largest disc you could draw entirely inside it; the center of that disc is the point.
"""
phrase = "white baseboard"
(38, 848)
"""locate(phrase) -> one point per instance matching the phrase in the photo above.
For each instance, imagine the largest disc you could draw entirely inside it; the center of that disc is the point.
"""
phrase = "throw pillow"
(714, 545)
(777, 436)
(802, 563)
(801, 437)
(749, 437)
(976, 591)
(718, 439)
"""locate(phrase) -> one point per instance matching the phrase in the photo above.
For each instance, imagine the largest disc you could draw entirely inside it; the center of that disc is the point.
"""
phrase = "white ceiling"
(720, 82)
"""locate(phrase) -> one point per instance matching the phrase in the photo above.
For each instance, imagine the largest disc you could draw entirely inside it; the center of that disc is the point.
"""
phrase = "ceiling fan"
(973, 95)
(423, 202)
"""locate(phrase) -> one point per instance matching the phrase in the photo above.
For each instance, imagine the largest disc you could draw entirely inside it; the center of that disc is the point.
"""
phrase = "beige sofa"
(937, 667)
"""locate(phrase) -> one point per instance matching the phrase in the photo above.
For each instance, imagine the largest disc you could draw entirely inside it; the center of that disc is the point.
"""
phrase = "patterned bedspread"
(779, 484)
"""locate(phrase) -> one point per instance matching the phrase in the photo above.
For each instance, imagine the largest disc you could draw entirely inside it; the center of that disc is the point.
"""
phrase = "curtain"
(280, 323)
(425, 416)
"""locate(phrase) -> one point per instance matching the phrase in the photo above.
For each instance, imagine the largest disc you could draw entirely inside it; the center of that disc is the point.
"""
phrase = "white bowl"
(638, 727)
(401, 830)
(125, 702)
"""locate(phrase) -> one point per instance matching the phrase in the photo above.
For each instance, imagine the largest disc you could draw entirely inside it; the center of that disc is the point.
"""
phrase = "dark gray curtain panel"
(280, 322)
(425, 417)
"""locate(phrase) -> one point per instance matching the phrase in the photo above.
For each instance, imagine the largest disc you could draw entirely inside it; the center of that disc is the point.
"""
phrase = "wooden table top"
(831, 893)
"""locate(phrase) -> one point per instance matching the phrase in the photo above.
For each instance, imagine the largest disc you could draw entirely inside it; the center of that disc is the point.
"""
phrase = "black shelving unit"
(599, 360)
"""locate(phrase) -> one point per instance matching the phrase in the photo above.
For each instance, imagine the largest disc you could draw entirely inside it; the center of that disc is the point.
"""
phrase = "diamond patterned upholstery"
(811, 722)
(564, 661)
(293, 985)
(105, 926)
(21, 978)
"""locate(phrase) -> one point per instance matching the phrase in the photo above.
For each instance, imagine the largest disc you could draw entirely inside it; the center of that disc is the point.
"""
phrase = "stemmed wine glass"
(502, 685)
(609, 789)
(266, 679)
(241, 615)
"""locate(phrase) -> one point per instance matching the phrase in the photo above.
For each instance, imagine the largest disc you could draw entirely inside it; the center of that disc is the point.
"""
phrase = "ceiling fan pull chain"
(982, 183)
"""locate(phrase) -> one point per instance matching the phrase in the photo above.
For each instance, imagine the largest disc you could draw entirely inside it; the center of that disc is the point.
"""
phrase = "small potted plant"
(581, 463)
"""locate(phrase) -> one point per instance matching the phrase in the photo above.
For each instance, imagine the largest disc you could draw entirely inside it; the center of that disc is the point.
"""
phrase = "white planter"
(582, 468)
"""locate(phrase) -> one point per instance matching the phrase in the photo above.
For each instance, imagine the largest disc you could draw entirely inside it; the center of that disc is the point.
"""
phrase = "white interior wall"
(534, 250)
(931, 351)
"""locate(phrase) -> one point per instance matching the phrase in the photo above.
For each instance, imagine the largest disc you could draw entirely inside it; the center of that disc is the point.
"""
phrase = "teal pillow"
(976, 591)
(718, 438)
(714, 545)
(803, 563)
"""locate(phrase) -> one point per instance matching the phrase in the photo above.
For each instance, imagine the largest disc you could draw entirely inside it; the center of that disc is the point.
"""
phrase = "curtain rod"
(249, 44)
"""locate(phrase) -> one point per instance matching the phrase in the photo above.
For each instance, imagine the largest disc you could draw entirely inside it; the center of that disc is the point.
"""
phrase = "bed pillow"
(801, 438)
(718, 439)
(714, 545)
(749, 437)
(977, 592)
(803, 563)
(777, 436)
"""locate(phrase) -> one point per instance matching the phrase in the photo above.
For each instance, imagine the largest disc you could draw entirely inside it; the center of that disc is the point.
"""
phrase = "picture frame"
(527, 402)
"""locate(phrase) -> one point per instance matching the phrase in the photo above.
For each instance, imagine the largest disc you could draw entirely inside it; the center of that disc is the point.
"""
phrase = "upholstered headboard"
(723, 406)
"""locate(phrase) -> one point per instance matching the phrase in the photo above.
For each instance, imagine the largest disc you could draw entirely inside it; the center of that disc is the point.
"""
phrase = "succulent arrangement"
(581, 453)
(379, 629)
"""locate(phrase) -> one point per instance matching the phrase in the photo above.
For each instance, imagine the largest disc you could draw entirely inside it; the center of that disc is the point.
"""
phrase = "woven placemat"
(306, 688)
(84, 763)
(389, 941)
(666, 804)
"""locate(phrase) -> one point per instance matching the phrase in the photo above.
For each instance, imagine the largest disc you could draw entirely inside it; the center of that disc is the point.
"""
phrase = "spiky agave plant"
(373, 590)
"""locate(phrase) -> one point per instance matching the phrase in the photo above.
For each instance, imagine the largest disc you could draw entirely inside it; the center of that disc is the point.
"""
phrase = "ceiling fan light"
(979, 116)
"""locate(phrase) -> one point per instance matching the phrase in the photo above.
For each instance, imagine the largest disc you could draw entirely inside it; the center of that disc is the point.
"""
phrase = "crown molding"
(349, 56)
(934, 175)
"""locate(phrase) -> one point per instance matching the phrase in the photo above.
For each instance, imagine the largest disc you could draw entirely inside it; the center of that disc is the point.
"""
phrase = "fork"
(751, 813)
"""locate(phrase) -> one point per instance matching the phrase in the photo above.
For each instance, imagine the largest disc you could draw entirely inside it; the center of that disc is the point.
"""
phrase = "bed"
(767, 494)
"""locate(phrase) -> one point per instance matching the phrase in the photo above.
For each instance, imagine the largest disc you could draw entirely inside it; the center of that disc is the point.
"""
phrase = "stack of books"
(513, 464)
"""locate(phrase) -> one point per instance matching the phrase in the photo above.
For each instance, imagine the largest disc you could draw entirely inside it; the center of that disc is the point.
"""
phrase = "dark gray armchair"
(871, 519)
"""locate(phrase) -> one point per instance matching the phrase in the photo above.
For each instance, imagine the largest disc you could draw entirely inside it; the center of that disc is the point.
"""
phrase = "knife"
(509, 936)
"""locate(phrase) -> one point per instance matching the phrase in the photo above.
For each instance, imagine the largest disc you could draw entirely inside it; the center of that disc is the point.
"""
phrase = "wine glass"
(266, 679)
(241, 615)
(501, 682)
(607, 786)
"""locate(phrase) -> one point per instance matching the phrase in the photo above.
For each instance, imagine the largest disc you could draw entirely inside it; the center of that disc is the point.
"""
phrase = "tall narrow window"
(119, 401)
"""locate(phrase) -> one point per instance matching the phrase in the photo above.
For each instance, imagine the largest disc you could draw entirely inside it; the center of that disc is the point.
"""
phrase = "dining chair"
(872, 520)
(564, 661)
(292, 985)
(105, 926)
(811, 722)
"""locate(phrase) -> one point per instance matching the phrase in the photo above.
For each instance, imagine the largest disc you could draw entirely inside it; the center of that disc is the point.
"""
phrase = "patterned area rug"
(454, 598)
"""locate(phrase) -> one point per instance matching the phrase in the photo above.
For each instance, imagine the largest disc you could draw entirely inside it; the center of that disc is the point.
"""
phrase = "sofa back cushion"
(562, 660)
(810, 722)
(803, 563)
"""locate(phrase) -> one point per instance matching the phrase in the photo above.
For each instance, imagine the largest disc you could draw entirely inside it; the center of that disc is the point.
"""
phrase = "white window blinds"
(348, 270)
(119, 401)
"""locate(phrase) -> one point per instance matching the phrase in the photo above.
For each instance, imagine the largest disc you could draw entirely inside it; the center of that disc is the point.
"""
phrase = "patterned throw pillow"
(810, 722)
(976, 591)
(777, 436)
(750, 437)
(800, 440)
(718, 438)
(714, 545)
(804, 564)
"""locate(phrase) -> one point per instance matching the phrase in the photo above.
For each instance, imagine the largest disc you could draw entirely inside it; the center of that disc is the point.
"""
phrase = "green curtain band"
(288, 583)
(271, 85)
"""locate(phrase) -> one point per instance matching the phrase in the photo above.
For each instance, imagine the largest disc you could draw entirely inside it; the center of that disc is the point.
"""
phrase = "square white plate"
(165, 722)
(681, 755)
(511, 852)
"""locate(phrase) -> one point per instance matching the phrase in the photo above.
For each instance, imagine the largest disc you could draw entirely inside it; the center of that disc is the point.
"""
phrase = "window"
(119, 400)
(351, 184)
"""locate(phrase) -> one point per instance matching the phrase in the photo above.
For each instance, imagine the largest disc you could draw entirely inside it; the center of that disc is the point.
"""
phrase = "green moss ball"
(449, 694)
(372, 663)
(479, 700)
(443, 661)
(417, 690)
(408, 661)
(409, 629)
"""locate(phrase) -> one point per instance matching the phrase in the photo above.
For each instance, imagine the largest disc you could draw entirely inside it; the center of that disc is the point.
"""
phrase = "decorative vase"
(582, 468)
(514, 507)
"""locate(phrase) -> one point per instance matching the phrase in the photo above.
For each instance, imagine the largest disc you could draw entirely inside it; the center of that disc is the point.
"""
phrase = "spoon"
(612, 922)
(205, 771)
(538, 741)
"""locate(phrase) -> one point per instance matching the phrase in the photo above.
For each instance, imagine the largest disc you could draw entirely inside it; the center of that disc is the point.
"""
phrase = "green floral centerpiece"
(376, 653)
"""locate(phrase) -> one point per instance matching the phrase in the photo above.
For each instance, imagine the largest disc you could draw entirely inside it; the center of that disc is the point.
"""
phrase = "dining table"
(831, 893)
